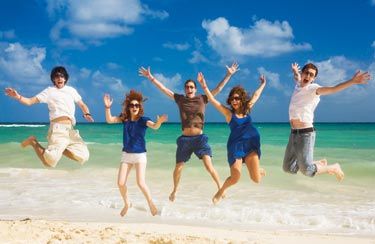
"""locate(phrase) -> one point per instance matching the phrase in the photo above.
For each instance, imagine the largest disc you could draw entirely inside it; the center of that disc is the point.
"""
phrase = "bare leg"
(235, 174)
(333, 169)
(210, 168)
(141, 182)
(122, 178)
(322, 162)
(176, 180)
(252, 162)
(39, 150)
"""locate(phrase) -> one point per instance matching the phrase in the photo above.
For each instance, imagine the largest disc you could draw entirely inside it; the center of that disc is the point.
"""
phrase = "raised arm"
(24, 100)
(358, 78)
(296, 72)
(222, 109)
(258, 92)
(230, 71)
(85, 111)
(147, 73)
(159, 120)
(108, 116)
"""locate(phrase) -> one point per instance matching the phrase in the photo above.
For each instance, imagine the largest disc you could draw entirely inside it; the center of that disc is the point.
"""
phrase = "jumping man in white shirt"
(306, 96)
(62, 138)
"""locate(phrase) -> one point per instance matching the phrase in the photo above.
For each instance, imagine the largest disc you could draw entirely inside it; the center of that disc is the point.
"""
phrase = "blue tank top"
(241, 129)
(134, 135)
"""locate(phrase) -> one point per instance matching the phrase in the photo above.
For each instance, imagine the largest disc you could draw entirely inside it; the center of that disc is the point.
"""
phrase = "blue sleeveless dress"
(244, 138)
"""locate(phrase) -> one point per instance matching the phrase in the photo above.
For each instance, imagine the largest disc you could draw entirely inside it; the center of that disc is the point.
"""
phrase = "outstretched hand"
(145, 73)
(107, 100)
(162, 118)
(262, 79)
(295, 68)
(233, 68)
(201, 80)
(361, 77)
(11, 92)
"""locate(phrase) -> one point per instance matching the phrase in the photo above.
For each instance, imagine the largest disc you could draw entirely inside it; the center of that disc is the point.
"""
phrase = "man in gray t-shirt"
(192, 140)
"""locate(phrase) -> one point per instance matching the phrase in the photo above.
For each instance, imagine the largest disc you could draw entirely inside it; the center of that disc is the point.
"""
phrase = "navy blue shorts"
(186, 145)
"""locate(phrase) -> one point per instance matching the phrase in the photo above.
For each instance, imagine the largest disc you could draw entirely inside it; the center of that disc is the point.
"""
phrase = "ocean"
(281, 201)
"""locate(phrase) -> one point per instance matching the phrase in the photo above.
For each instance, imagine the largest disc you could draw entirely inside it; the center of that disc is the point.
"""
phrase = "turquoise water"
(281, 201)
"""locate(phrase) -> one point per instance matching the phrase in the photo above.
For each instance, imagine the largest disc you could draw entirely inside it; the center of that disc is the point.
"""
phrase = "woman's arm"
(24, 100)
(258, 92)
(225, 111)
(159, 120)
(108, 116)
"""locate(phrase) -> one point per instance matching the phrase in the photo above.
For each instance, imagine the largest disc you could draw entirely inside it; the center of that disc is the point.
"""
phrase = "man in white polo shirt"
(62, 138)
(306, 96)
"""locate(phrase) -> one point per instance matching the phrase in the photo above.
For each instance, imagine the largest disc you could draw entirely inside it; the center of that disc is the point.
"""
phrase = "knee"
(121, 184)
(236, 175)
(50, 160)
(84, 157)
(141, 184)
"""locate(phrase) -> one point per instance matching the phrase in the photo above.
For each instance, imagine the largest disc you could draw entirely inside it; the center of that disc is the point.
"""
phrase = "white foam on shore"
(92, 195)
(21, 125)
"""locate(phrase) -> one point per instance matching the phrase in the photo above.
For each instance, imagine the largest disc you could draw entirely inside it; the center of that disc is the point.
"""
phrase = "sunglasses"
(59, 75)
(189, 87)
(134, 105)
(235, 99)
(307, 73)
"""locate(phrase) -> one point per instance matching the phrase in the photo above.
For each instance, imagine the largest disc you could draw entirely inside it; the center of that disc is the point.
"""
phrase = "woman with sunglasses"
(243, 144)
(134, 144)
(63, 139)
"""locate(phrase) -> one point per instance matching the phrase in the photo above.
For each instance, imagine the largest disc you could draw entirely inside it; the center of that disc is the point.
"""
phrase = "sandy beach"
(43, 231)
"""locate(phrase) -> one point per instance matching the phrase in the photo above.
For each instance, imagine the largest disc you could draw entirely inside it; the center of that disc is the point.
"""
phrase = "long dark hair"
(61, 70)
(241, 92)
(132, 95)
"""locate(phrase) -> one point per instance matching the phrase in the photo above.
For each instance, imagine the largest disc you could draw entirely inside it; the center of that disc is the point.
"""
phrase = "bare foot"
(172, 196)
(262, 172)
(335, 169)
(125, 209)
(153, 209)
(322, 162)
(218, 196)
(29, 141)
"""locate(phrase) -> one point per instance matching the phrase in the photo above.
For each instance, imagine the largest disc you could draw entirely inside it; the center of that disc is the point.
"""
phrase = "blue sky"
(103, 43)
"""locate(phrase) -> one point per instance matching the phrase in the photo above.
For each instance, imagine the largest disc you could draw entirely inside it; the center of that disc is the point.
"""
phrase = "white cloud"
(93, 20)
(264, 38)
(23, 65)
(197, 57)
(172, 83)
(104, 82)
(273, 80)
(9, 34)
(176, 46)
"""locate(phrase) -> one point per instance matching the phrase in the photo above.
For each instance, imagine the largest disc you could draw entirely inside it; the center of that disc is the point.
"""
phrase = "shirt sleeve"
(177, 97)
(205, 99)
(144, 120)
(76, 95)
(313, 87)
(43, 96)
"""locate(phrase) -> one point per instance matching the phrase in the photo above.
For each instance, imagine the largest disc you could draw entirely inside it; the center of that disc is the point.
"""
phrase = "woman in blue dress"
(243, 144)
(134, 144)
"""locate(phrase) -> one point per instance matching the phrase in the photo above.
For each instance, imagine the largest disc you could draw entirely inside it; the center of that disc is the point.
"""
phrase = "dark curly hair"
(241, 92)
(310, 66)
(132, 95)
(61, 70)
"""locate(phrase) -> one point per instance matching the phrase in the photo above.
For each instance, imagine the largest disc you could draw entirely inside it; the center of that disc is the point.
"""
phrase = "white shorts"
(133, 158)
(63, 137)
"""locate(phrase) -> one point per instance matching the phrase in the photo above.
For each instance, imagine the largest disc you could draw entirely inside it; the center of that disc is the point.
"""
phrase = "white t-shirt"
(303, 103)
(60, 101)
